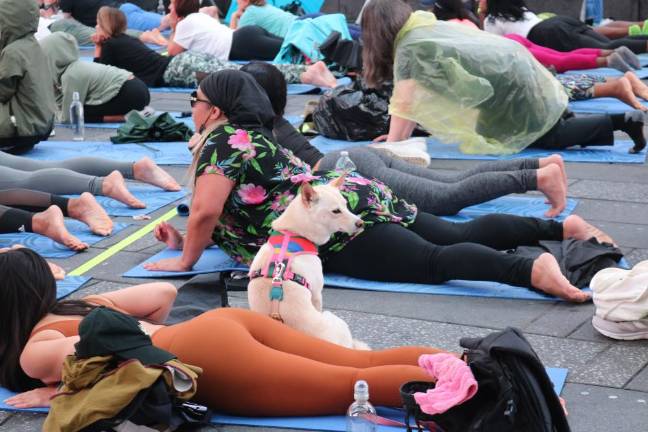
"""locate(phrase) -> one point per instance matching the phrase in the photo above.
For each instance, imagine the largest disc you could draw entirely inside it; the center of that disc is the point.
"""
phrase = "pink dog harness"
(285, 246)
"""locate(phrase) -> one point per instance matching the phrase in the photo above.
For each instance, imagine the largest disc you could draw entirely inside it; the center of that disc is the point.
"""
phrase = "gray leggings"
(442, 193)
(72, 176)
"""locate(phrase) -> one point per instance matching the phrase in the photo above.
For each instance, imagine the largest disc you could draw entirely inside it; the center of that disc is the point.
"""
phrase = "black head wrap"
(241, 99)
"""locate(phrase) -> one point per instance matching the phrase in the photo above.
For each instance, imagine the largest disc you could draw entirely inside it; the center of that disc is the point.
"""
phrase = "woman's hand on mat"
(167, 233)
(39, 397)
(169, 265)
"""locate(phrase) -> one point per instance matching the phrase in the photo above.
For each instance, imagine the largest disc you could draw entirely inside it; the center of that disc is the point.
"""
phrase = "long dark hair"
(446, 10)
(381, 22)
(27, 294)
(272, 81)
(509, 10)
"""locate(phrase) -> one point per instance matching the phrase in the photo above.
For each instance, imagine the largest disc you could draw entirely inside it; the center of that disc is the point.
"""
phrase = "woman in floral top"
(244, 180)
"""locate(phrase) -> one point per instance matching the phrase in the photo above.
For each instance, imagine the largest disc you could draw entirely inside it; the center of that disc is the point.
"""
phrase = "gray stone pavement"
(607, 385)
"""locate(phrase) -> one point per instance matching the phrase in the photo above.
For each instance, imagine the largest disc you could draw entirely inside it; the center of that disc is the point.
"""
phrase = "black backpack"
(515, 393)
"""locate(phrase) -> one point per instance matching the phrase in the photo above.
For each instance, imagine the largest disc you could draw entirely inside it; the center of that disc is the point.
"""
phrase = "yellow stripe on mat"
(122, 244)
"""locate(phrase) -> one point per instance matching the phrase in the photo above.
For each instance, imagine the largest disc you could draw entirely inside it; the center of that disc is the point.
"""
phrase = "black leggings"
(564, 33)
(17, 205)
(133, 95)
(578, 131)
(254, 43)
(433, 250)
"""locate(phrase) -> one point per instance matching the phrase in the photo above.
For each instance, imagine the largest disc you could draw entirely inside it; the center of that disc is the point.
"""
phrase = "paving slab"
(610, 191)
(615, 367)
(24, 422)
(612, 211)
(637, 255)
(561, 320)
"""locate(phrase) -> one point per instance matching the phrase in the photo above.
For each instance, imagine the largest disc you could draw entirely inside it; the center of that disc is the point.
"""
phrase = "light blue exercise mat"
(618, 153)
(214, 260)
(48, 248)
(557, 376)
(153, 197)
(602, 106)
(608, 72)
(529, 206)
(162, 153)
(70, 284)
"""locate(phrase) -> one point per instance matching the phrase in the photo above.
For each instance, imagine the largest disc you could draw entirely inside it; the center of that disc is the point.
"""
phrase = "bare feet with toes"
(114, 187)
(50, 223)
(547, 277)
(576, 227)
(551, 184)
(147, 171)
(319, 75)
(87, 210)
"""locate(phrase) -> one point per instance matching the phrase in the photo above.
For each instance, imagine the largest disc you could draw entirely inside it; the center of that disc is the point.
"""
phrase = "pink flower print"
(249, 153)
(251, 194)
(213, 169)
(281, 201)
(240, 140)
(358, 180)
(303, 178)
(286, 173)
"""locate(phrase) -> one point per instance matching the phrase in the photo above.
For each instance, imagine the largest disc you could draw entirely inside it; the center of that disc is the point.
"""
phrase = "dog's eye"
(337, 211)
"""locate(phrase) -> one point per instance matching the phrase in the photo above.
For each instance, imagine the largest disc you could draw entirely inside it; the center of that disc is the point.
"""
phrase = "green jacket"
(96, 83)
(26, 96)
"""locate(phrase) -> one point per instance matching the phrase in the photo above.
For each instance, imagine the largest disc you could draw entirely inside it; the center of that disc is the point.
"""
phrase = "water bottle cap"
(344, 153)
(361, 390)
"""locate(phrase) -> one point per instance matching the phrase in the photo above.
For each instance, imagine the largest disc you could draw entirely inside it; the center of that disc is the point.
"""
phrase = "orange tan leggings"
(256, 366)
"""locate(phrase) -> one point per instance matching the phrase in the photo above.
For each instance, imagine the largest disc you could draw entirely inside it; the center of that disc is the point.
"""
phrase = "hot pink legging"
(583, 58)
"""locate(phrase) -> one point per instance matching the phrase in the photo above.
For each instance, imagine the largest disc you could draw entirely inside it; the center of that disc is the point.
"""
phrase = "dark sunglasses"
(49, 6)
(193, 99)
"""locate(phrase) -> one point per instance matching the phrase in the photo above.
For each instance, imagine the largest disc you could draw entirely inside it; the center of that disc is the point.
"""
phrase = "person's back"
(26, 95)
(85, 11)
(271, 18)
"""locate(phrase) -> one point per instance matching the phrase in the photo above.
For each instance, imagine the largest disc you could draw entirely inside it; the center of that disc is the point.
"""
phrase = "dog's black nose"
(359, 223)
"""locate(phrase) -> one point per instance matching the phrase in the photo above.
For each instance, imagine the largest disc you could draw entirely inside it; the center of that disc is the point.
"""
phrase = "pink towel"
(455, 383)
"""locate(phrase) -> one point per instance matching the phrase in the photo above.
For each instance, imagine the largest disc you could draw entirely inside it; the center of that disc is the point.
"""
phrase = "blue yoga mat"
(214, 260)
(162, 153)
(608, 72)
(601, 106)
(514, 205)
(557, 376)
(596, 154)
(70, 284)
(153, 197)
(293, 89)
(643, 59)
(49, 248)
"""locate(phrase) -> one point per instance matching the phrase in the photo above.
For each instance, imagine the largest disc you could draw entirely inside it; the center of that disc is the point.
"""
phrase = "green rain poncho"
(465, 86)
(96, 83)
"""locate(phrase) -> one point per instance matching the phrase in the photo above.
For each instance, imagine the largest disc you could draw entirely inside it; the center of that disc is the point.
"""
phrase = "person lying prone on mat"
(106, 92)
(84, 174)
(57, 271)
(495, 101)
(433, 192)
(116, 48)
(23, 210)
(237, 349)
(243, 180)
(628, 88)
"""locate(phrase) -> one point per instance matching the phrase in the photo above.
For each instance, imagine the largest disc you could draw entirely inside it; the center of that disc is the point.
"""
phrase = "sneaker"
(409, 153)
(626, 330)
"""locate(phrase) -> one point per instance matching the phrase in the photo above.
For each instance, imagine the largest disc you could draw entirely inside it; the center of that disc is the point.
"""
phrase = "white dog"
(288, 262)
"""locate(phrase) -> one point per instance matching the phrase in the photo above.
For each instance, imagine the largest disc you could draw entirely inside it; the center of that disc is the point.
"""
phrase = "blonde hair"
(197, 150)
(112, 20)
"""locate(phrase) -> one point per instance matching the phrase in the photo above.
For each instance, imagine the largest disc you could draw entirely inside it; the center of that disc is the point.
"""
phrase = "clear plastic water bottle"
(76, 118)
(355, 420)
(344, 163)
(160, 8)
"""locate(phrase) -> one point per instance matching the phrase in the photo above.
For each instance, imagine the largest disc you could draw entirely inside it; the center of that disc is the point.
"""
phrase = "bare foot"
(546, 277)
(87, 210)
(147, 171)
(57, 271)
(638, 87)
(623, 91)
(557, 160)
(551, 184)
(575, 227)
(114, 187)
(50, 223)
(153, 37)
(319, 75)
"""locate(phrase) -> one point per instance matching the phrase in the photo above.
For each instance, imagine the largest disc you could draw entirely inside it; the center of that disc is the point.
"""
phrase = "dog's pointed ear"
(338, 182)
(308, 194)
